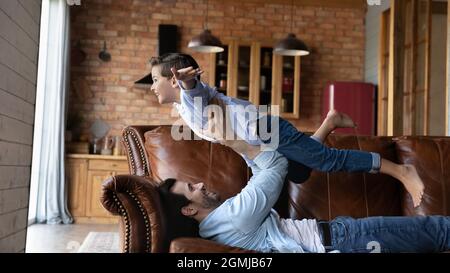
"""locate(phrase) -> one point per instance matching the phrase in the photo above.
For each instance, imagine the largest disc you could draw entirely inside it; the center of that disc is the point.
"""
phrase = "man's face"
(165, 89)
(196, 194)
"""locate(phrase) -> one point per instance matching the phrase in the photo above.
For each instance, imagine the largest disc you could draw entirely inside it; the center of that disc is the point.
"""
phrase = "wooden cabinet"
(286, 85)
(219, 74)
(85, 175)
(76, 173)
(250, 71)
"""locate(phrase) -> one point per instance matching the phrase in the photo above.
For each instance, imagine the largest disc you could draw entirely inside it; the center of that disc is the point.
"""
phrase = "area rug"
(100, 242)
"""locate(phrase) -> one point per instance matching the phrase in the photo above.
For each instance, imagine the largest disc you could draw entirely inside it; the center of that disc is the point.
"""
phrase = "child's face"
(165, 89)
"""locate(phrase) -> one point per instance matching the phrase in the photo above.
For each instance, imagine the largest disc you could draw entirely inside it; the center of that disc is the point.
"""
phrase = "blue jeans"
(297, 146)
(391, 234)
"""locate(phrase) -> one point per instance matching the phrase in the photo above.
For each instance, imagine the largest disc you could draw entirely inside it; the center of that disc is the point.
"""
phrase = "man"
(248, 221)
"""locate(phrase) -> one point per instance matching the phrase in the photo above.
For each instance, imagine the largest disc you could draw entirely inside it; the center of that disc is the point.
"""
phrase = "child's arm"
(186, 76)
(194, 97)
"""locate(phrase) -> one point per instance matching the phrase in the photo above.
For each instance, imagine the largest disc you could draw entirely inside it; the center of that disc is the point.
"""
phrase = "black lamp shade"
(291, 46)
(206, 43)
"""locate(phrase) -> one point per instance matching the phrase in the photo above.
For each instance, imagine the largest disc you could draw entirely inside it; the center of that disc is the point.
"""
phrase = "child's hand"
(186, 76)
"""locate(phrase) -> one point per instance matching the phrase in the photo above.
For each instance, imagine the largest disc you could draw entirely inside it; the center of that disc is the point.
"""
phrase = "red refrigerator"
(356, 99)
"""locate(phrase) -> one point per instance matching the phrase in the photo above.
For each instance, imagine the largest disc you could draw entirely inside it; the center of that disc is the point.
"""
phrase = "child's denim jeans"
(301, 148)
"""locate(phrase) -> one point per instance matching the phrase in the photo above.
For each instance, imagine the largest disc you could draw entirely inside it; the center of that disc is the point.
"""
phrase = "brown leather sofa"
(154, 156)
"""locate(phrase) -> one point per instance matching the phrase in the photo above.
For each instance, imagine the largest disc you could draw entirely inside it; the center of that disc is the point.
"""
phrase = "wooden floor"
(61, 238)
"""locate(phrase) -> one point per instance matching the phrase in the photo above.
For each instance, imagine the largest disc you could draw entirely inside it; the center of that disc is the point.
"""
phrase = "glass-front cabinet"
(287, 86)
(243, 71)
(264, 96)
(250, 71)
(218, 76)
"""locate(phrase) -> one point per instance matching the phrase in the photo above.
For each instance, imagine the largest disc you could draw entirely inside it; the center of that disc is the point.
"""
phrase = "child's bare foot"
(339, 120)
(412, 183)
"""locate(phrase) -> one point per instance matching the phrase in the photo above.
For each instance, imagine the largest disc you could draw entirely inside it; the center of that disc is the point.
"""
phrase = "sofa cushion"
(326, 196)
(431, 157)
(220, 168)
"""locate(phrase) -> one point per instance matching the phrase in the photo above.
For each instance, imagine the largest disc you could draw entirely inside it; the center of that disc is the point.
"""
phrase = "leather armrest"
(136, 200)
(197, 245)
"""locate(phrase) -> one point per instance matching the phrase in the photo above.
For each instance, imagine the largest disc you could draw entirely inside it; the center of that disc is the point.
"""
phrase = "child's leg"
(333, 121)
(297, 147)
(408, 176)
(299, 173)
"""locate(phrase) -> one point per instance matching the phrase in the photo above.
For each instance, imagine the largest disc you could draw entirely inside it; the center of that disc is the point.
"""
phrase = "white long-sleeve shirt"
(243, 115)
(248, 221)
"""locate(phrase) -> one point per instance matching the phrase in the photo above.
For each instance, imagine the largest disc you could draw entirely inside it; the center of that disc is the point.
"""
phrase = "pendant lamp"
(291, 45)
(205, 42)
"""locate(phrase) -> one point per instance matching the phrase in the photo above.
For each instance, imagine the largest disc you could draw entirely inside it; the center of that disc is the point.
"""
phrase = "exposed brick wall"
(130, 28)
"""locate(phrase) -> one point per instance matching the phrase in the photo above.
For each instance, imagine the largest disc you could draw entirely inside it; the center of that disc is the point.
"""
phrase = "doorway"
(413, 95)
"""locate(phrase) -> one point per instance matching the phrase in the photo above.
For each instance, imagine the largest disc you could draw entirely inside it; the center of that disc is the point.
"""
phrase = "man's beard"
(209, 202)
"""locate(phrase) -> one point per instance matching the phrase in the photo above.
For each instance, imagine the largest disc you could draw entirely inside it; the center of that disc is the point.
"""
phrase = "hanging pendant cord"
(207, 7)
(292, 16)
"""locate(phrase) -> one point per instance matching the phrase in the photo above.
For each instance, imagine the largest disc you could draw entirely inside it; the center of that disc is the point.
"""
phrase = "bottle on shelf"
(221, 59)
(117, 149)
(94, 147)
(262, 82)
(283, 105)
(223, 81)
(288, 85)
(266, 61)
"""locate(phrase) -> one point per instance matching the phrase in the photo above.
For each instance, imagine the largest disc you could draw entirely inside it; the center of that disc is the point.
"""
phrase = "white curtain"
(48, 193)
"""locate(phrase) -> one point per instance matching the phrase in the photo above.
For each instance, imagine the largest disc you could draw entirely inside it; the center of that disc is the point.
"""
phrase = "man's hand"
(242, 147)
(186, 76)
(216, 129)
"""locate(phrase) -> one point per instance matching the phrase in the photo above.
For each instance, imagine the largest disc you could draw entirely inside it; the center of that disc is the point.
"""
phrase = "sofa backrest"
(219, 167)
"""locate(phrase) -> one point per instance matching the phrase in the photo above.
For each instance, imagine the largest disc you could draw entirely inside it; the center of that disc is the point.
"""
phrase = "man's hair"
(177, 200)
(169, 60)
(177, 225)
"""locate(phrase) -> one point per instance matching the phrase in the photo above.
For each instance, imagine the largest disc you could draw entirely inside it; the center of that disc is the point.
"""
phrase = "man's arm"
(243, 148)
(250, 207)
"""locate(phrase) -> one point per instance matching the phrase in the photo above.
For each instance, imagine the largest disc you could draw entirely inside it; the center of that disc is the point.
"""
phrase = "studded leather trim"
(126, 219)
(146, 221)
(132, 135)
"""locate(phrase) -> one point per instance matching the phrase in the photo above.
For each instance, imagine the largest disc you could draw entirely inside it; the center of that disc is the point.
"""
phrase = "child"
(176, 79)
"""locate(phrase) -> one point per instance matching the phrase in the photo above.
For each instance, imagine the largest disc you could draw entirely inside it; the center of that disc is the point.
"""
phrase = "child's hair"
(169, 60)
